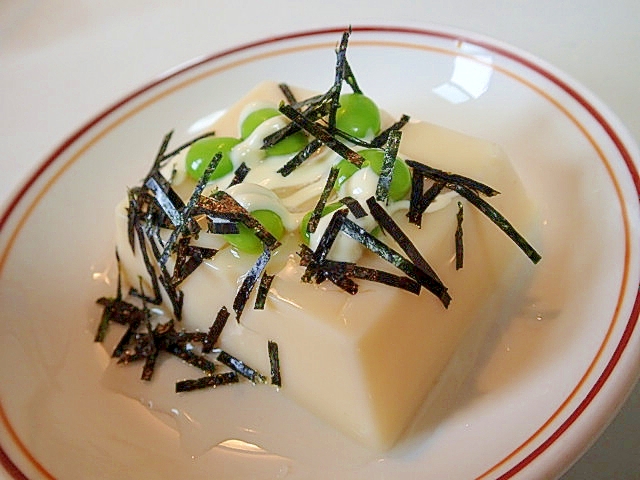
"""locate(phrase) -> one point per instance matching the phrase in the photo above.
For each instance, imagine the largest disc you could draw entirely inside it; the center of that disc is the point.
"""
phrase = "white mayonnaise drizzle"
(290, 197)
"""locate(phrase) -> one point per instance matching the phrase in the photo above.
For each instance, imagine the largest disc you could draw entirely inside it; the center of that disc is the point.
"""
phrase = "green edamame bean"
(291, 144)
(306, 236)
(358, 115)
(202, 152)
(247, 241)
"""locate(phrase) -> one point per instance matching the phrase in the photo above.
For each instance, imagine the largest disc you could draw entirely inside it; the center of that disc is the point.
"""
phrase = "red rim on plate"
(543, 438)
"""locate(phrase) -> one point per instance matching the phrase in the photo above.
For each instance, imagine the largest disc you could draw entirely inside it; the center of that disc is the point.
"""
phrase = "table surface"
(63, 61)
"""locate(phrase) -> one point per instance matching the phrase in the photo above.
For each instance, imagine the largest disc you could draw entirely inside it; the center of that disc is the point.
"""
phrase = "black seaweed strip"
(341, 280)
(288, 94)
(314, 260)
(390, 255)
(386, 172)
(300, 157)
(350, 78)
(164, 201)
(417, 186)
(224, 205)
(354, 140)
(132, 218)
(423, 201)
(157, 300)
(381, 139)
(186, 212)
(222, 227)
(274, 362)
(164, 278)
(374, 275)
(116, 310)
(249, 282)
(279, 135)
(263, 290)
(498, 219)
(149, 365)
(191, 337)
(134, 323)
(354, 206)
(191, 358)
(159, 156)
(165, 185)
(322, 134)
(240, 174)
(329, 235)
(215, 330)
(313, 108)
(386, 278)
(315, 103)
(389, 225)
(173, 153)
(316, 214)
(306, 255)
(188, 258)
(340, 272)
(210, 381)
(458, 238)
(240, 367)
(341, 61)
(151, 349)
(107, 303)
(452, 178)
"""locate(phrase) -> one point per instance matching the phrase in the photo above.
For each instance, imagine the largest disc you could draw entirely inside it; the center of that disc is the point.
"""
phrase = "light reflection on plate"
(549, 379)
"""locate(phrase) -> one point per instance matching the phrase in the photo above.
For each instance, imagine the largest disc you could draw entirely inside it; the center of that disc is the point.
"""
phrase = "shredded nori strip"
(385, 252)
(393, 229)
(181, 351)
(263, 290)
(215, 330)
(322, 134)
(458, 238)
(341, 60)
(176, 151)
(386, 172)
(381, 138)
(341, 273)
(350, 78)
(274, 362)
(111, 312)
(499, 220)
(157, 299)
(451, 178)
(222, 205)
(288, 94)
(316, 214)
(166, 198)
(210, 381)
(240, 367)
(354, 206)
(186, 211)
(222, 227)
(239, 174)
(151, 346)
(300, 157)
(419, 202)
(329, 236)
(188, 258)
(249, 282)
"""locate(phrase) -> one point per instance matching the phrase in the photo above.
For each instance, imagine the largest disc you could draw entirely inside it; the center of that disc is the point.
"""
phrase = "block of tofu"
(365, 362)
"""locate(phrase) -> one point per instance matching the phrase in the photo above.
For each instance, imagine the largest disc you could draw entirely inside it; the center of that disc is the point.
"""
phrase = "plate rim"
(613, 128)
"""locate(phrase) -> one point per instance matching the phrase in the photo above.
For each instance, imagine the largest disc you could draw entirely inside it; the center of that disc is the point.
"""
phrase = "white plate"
(549, 379)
